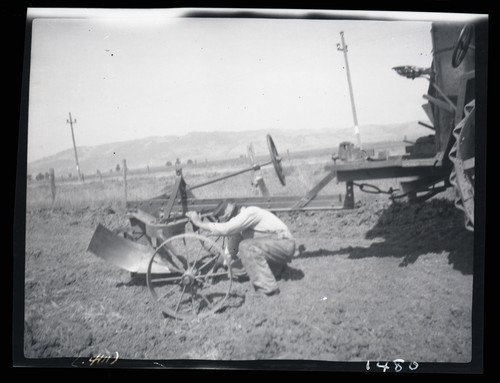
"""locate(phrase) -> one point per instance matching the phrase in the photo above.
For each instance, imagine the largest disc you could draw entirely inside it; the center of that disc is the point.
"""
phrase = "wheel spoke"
(205, 280)
(186, 254)
(196, 259)
(226, 273)
(211, 246)
(169, 291)
(169, 263)
(209, 304)
(180, 299)
(166, 279)
(174, 256)
(206, 263)
(198, 278)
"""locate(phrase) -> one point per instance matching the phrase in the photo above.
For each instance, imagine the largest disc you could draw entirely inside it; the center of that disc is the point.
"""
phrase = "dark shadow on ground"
(291, 274)
(408, 231)
(233, 301)
(135, 280)
(318, 253)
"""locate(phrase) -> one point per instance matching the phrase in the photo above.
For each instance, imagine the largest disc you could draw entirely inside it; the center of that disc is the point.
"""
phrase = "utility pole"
(343, 48)
(71, 122)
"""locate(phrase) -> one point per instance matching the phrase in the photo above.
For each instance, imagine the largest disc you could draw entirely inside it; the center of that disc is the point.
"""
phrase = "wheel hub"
(187, 279)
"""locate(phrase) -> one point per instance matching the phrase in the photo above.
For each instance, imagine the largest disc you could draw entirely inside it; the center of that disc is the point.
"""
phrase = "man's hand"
(197, 221)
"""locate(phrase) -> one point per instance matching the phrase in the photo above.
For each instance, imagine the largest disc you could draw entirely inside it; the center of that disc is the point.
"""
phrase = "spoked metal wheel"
(462, 45)
(276, 159)
(198, 285)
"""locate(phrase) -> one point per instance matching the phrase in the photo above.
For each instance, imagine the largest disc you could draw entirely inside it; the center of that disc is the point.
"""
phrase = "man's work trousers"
(264, 258)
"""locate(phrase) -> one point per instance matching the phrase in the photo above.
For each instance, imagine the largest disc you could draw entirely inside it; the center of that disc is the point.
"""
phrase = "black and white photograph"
(252, 188)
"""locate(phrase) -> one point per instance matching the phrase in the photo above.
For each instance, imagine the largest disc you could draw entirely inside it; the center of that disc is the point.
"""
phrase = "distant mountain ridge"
(207, 146)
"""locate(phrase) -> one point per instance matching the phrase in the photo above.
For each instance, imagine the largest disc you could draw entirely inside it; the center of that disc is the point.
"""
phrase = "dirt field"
(381, 282)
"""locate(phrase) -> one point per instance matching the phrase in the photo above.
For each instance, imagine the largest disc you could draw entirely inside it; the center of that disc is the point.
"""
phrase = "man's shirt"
(253, 222)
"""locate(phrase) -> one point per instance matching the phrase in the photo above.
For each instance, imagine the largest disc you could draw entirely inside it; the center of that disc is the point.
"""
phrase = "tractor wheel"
(462, 156)
(198, 286)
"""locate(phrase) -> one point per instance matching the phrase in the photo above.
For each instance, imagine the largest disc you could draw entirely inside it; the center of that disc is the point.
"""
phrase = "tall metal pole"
(71, 121)
(344, 49)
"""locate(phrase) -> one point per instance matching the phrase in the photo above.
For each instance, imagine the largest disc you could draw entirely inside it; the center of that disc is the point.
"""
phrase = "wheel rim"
(196, 287)
(276, 159)
(462, 45)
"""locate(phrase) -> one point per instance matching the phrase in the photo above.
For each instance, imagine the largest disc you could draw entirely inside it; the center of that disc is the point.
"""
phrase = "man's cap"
(220, 210)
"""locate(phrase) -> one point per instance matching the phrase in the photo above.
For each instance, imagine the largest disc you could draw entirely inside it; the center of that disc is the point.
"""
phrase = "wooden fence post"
(125, 180)
(52, 184)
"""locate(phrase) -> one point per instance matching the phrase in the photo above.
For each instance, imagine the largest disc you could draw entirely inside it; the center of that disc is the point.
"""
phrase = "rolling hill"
(207, 146)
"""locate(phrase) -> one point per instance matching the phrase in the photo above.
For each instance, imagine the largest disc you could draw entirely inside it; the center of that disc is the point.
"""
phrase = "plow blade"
(123, 253)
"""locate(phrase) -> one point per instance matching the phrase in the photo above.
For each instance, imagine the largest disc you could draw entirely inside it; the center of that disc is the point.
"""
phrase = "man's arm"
(195, 218)
(234, 226)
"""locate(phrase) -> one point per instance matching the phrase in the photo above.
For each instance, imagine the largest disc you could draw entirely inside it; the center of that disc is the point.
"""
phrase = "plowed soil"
(380, 282)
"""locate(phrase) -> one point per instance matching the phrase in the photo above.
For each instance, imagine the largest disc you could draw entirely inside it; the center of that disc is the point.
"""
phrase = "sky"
(129, 77)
